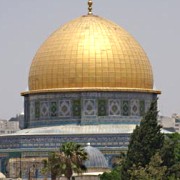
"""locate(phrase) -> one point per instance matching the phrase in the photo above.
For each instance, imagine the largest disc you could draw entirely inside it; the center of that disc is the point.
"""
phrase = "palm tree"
(70, 158)
(51, 165)
(73, 156)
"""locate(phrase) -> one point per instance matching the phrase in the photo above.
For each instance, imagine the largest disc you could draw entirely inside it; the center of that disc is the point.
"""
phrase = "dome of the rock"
(90, 81)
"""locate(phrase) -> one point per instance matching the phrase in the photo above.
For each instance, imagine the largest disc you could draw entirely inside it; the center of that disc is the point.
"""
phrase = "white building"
(8, 127)
(177, 122)
(170, 123)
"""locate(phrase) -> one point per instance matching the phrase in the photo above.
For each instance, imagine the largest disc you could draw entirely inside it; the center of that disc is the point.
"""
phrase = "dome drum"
(85, 108)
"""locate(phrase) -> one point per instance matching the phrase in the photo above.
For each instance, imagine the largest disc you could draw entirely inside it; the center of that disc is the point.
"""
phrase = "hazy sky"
(25, 24)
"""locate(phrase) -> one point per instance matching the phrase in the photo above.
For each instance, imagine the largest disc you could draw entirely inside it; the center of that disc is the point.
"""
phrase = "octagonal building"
(90, 81)
(90, 71)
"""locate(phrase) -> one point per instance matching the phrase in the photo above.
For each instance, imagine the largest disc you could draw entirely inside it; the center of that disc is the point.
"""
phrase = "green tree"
(118, 160)
(154, 170)
(115, 174)
(145, 140)
(52, 165)
(170, 153)
(70, 158)
(73, 157)
(175, 137)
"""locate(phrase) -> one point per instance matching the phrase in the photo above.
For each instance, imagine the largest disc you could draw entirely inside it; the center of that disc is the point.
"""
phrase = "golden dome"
(90, 53)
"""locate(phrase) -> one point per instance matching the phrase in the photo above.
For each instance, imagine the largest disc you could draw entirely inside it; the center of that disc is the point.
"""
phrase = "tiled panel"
(102, 107)
(89, 107)
(54, 109)
(125, 108)
(114, 107)
(134, 107)
(44, 109)
(65, 108)
(76, 107)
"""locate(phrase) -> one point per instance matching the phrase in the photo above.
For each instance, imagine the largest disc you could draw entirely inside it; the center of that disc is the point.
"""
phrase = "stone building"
(8, 127)
(170, 123)
(176, 118)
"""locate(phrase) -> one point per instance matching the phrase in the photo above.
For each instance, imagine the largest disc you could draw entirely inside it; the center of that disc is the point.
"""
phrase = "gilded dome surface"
(90, 53)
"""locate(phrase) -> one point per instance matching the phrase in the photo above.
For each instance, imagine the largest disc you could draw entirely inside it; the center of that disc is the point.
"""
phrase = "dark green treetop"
(145, 141)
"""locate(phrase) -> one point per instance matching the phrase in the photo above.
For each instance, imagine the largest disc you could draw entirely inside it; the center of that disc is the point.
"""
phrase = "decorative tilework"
(148, 103)
(46, 141)
(114, 107)
(89, 106)
(135, 107)
(32, 110)
(142, 108)
(53, 109)
(64, 108)
(44, 107)
(97, 111)
(37, 109)
(35, 146)
(125, 108)
(77, 107)
(102, 107)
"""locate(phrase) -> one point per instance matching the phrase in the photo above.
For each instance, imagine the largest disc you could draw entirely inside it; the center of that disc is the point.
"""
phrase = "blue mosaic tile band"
(85, 108)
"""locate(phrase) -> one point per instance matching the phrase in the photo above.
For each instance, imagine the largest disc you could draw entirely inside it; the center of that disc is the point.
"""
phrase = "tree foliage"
(52, 165)
(70, 158)
(118, 160)
(150, 155)
(144, 142)
(73, 157)
(154, 170)
(170, 153)
(164, 165)
(115, 174)
(175, 138)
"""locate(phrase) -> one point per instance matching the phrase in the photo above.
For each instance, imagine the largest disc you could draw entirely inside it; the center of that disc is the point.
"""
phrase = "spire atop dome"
(90, 3)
